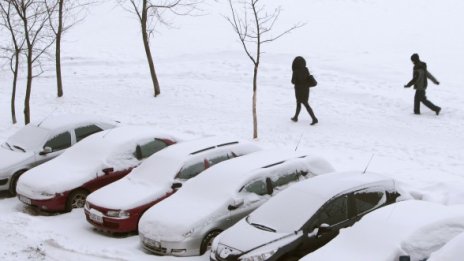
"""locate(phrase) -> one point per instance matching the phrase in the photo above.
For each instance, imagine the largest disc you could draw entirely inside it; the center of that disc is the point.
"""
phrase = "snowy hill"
(358, 50)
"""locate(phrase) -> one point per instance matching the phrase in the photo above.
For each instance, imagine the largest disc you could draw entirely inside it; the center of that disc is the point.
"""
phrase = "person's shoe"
(417, 113)
(315, 121)
(295, 119)
(438, 111)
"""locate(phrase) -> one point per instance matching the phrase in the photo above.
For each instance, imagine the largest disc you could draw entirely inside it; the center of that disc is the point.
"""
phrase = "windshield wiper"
(263, 227)
(8, 145)
(19, 148)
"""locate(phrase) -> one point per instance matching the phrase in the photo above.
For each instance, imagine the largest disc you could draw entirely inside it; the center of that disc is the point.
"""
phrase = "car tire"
(14, 182)
(76, 199)
(208, 240)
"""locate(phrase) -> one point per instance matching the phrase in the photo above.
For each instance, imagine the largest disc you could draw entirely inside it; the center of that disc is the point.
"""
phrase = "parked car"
(406, 231)
(452, 250)
(186, 223)
(304, 217)
(118, 207)
(39, 142)
(65, 182)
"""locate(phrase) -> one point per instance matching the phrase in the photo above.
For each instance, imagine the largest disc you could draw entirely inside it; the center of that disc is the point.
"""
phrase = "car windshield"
(157, 168)
(285, 213)
(29, 138)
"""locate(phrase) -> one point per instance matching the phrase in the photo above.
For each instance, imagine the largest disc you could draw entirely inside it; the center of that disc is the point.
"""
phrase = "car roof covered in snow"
(313, 194)
(412, 227)
(68, 121)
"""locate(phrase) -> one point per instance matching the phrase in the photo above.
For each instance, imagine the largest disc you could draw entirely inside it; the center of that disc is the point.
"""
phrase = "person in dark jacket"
(419, 80)
(300, 80)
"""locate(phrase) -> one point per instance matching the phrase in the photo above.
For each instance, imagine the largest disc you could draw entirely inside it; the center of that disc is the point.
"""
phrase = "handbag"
(311, 81)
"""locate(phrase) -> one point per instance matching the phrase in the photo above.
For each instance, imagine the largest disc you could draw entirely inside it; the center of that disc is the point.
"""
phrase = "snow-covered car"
(451, 250)
(39, 142)
(118, 207)
(408, 230)
(100, 159)
(186, 223)
(304, 217)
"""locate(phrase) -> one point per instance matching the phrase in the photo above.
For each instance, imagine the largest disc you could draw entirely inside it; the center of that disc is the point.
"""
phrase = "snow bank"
(451, 250)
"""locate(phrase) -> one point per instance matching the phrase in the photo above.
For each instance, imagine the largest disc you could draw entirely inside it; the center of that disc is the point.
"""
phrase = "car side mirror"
(45, 151)
(176, 185)
(323, 229)
(108, 170)
(236, 203)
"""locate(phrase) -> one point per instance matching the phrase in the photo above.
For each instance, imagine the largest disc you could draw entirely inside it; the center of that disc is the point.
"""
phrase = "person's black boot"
(315, 121)
(295, 119)
(438, 111)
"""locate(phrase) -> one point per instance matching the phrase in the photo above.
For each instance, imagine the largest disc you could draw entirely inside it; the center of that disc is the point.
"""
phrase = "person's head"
(415, 58)
(298, 63)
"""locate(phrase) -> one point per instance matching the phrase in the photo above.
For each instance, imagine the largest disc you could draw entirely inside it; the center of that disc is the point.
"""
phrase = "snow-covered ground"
(358, 50)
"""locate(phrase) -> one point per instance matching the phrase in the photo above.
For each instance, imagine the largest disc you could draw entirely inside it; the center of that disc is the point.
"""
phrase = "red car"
(118, 207)
(64, 183)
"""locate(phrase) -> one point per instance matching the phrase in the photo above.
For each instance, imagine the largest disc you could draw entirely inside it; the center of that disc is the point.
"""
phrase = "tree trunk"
(255, 116)
(13, 94)
(59, 81)
(27, 109)
(146, 44)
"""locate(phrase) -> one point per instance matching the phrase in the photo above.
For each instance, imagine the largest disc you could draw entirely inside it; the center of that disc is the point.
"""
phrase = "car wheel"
(76, 199)
(208, 240)
(14, 182)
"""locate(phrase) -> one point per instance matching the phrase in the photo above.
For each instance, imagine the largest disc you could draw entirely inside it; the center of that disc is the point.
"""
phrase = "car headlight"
(188, 234)
(118, 213)
(258, 257)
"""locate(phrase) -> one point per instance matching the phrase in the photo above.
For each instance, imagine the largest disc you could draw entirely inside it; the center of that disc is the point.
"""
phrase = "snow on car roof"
(381, 235)
(110, 148)
(208, 195)
(168, 162)
(67, 121)
(452, 249)
(313, 194)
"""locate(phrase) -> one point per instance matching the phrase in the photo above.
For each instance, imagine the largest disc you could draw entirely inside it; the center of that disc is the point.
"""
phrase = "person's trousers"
(308, 108)
(420, 97)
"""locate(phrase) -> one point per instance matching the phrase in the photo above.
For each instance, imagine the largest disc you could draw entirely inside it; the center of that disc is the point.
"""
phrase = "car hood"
(255, 238)
(11, 159)
(128, 193)
(171, 219)
(44, 181)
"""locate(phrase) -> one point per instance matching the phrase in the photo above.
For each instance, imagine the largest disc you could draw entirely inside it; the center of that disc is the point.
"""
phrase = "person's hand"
(406, 86)
(438, 83)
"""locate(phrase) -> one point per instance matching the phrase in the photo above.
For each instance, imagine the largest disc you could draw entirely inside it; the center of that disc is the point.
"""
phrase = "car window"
(146, 150)
(83, 132)
(219, 158)
(366, 201)
(59, 142)
(257, 187)
(191, 171)
(334, 212)
(285, 179)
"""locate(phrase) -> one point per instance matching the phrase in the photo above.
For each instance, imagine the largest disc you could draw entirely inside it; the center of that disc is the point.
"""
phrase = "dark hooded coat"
(300, 79)
(420, 75)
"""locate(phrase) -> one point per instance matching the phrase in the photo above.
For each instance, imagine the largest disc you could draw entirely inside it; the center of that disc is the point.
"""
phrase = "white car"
(406, 231)
(42, 141)
(186, 223)
(118, 207)
(304, 217)
(64, 183)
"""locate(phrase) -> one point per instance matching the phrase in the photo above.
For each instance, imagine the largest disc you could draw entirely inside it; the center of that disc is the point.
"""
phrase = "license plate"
(25, 200)
(96, 218)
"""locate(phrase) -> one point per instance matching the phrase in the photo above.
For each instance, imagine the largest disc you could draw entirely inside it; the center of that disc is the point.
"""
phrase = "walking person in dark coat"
(419, 80)
(300, 80)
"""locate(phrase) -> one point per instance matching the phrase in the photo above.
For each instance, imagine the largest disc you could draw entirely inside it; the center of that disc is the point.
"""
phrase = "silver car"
(186, 223)
(42, 141)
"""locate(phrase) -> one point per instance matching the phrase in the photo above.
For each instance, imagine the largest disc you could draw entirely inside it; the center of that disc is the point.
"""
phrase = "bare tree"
(254, 31)
(150, 13)
(63, 15)
(14, 49)
(33, 16)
